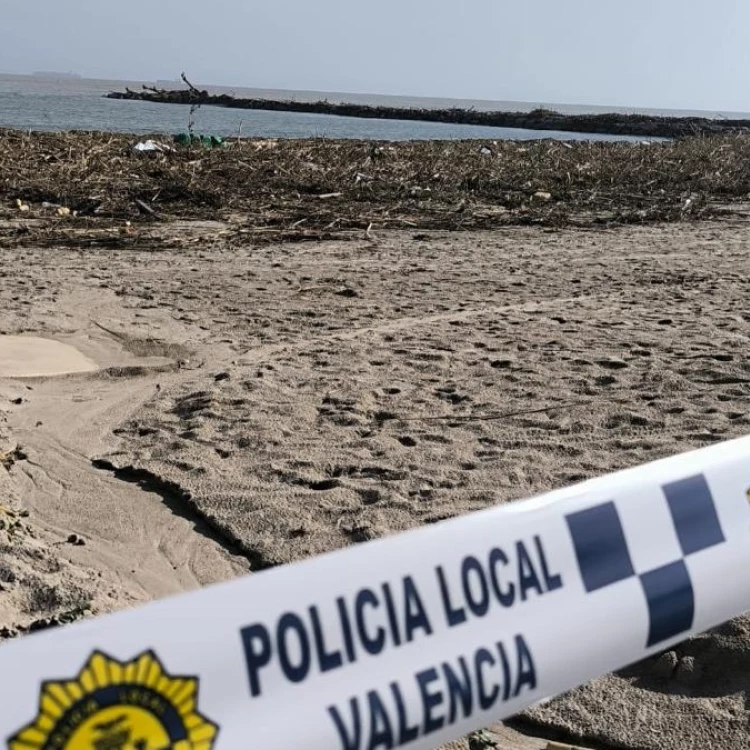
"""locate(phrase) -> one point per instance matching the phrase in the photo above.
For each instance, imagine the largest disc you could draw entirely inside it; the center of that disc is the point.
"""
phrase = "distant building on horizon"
(54, 74)
(174, 83)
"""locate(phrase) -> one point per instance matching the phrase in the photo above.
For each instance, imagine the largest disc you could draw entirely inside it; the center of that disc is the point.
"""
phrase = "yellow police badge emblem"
(112, 705)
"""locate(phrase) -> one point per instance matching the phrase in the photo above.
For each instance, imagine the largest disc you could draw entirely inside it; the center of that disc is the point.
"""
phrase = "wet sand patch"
(32, 356)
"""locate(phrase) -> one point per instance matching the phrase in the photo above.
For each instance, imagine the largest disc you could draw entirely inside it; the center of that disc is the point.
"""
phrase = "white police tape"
(409, 641)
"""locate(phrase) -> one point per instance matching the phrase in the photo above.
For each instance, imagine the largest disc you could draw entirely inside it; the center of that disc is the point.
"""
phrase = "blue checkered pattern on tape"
(604, 558)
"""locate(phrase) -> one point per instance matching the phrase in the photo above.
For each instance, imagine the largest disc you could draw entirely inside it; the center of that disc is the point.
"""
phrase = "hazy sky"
(689, 54)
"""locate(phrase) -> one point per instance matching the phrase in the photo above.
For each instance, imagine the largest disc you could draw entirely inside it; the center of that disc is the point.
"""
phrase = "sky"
(666, 54)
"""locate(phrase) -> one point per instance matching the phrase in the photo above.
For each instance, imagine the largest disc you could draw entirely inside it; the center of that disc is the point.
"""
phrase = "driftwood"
(193, 90)
(539, 119)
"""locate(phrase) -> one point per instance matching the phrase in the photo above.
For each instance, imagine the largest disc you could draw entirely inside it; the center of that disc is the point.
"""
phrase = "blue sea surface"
(46, 104)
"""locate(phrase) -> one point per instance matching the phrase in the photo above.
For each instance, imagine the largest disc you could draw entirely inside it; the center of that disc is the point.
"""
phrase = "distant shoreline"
(640, 125)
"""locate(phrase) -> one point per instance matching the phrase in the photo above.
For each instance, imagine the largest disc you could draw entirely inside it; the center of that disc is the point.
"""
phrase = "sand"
(31, 356)
(258, 405)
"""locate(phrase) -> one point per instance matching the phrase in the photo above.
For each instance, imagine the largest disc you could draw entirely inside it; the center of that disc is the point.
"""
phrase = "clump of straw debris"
(314, 187)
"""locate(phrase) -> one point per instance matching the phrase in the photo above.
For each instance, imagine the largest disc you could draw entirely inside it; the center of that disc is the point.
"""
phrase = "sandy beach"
(214, 404)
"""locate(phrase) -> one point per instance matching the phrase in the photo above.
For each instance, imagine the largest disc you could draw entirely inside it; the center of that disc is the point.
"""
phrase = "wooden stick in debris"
(147, 209)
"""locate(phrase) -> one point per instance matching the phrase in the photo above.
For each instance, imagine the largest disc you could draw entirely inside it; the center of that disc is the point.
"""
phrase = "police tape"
(408, 641)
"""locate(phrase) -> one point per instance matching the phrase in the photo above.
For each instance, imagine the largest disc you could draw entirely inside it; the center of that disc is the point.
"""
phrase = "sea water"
(66, 103)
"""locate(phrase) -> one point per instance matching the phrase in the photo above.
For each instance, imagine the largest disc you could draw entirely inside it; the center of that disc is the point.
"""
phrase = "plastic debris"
(191, 139)
(150, 146)
(266, 143)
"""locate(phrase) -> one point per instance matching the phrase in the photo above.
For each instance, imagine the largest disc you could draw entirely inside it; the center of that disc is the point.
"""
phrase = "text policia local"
(373, 620)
